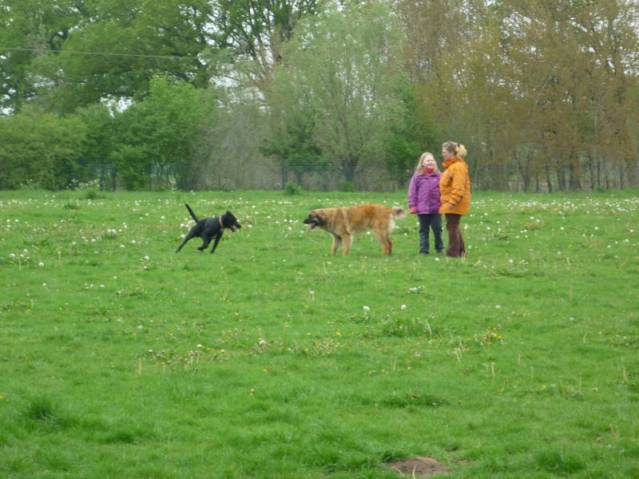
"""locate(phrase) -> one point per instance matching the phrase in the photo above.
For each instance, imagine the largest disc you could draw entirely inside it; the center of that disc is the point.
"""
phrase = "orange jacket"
(454, 187)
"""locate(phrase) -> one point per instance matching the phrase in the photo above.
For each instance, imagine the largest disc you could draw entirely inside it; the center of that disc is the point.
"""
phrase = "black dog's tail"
(192, 213)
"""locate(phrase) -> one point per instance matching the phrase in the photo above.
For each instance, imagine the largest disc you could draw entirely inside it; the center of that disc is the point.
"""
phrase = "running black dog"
(209, 228)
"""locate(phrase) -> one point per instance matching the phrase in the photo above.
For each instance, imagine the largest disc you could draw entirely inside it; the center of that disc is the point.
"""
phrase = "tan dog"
(343, 223)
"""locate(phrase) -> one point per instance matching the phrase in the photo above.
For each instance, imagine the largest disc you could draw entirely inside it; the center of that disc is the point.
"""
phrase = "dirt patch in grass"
(418, 467)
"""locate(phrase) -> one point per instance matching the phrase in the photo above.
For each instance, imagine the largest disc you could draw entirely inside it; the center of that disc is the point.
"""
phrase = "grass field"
(272, 359)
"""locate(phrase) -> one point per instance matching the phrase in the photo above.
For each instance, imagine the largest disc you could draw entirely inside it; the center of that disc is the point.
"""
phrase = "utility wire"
(79, 52)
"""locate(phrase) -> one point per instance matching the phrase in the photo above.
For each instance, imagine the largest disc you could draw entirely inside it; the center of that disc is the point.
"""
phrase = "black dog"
(209, 228)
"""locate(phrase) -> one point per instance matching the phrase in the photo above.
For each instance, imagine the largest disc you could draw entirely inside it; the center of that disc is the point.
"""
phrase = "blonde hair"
(422, 159)
(456, 149)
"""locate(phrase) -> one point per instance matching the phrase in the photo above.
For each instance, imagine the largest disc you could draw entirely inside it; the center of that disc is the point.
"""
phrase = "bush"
(292, 189)
(347, 186)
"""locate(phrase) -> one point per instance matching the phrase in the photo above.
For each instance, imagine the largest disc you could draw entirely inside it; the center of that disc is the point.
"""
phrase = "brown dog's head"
(314, 219)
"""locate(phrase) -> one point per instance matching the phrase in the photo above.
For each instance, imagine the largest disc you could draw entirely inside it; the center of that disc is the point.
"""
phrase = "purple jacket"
(423, 193)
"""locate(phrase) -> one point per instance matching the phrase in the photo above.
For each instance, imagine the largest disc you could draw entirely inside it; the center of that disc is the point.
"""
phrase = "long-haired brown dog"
(344, 222)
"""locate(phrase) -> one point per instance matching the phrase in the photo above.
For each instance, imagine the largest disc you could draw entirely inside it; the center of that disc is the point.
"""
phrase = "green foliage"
(292, 189)
(342, 68)
(410, 137)
(127, 48)
(292, 123)
(158, 136)
(99, 146)
(41, 150)
(543, 94)
(347, 186)
(133, 163)
(30, 28)
(152, 144)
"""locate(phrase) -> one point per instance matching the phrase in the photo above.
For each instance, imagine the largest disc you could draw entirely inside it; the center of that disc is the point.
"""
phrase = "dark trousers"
(456, 246)
(434, 222)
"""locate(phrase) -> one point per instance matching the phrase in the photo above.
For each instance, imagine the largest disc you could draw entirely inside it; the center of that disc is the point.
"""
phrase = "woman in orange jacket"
(454, 187)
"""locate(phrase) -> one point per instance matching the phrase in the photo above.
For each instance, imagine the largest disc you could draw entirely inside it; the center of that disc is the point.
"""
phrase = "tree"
(30, 30)
(292, 121)
(344, 66)
(158, 136)
(99, 145)
(257, 30)
(410, 137)
(40, 150)
(72, 53)
(538, 90)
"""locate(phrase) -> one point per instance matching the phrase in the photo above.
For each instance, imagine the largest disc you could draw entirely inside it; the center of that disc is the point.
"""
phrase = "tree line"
(322, 94)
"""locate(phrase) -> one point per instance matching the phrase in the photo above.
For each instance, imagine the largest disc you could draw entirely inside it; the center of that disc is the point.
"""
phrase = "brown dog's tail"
(399, 213)
(192, 213)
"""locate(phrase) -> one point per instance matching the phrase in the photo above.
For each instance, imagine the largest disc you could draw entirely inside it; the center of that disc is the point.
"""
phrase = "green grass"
(272, 359)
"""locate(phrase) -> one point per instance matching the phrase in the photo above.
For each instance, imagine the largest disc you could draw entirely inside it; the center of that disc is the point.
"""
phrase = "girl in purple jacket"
(423, 200)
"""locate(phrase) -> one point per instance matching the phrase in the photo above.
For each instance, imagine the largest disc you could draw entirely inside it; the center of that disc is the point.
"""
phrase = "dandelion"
(146, 258)
(403, 307)
(41, 264)
(366, 309)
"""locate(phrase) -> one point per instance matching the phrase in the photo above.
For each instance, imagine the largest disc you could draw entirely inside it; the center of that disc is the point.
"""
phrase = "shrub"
(292, 189)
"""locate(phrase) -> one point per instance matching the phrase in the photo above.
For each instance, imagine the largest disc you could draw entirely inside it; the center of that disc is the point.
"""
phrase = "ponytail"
(456, 149)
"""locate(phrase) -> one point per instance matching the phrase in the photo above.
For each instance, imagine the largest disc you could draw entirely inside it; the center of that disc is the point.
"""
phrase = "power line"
(87, 53)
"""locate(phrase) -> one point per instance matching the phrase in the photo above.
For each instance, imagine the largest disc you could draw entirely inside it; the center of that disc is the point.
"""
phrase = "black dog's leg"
(206, 236)
(217, 240)
(187, 238)
(205, 244)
